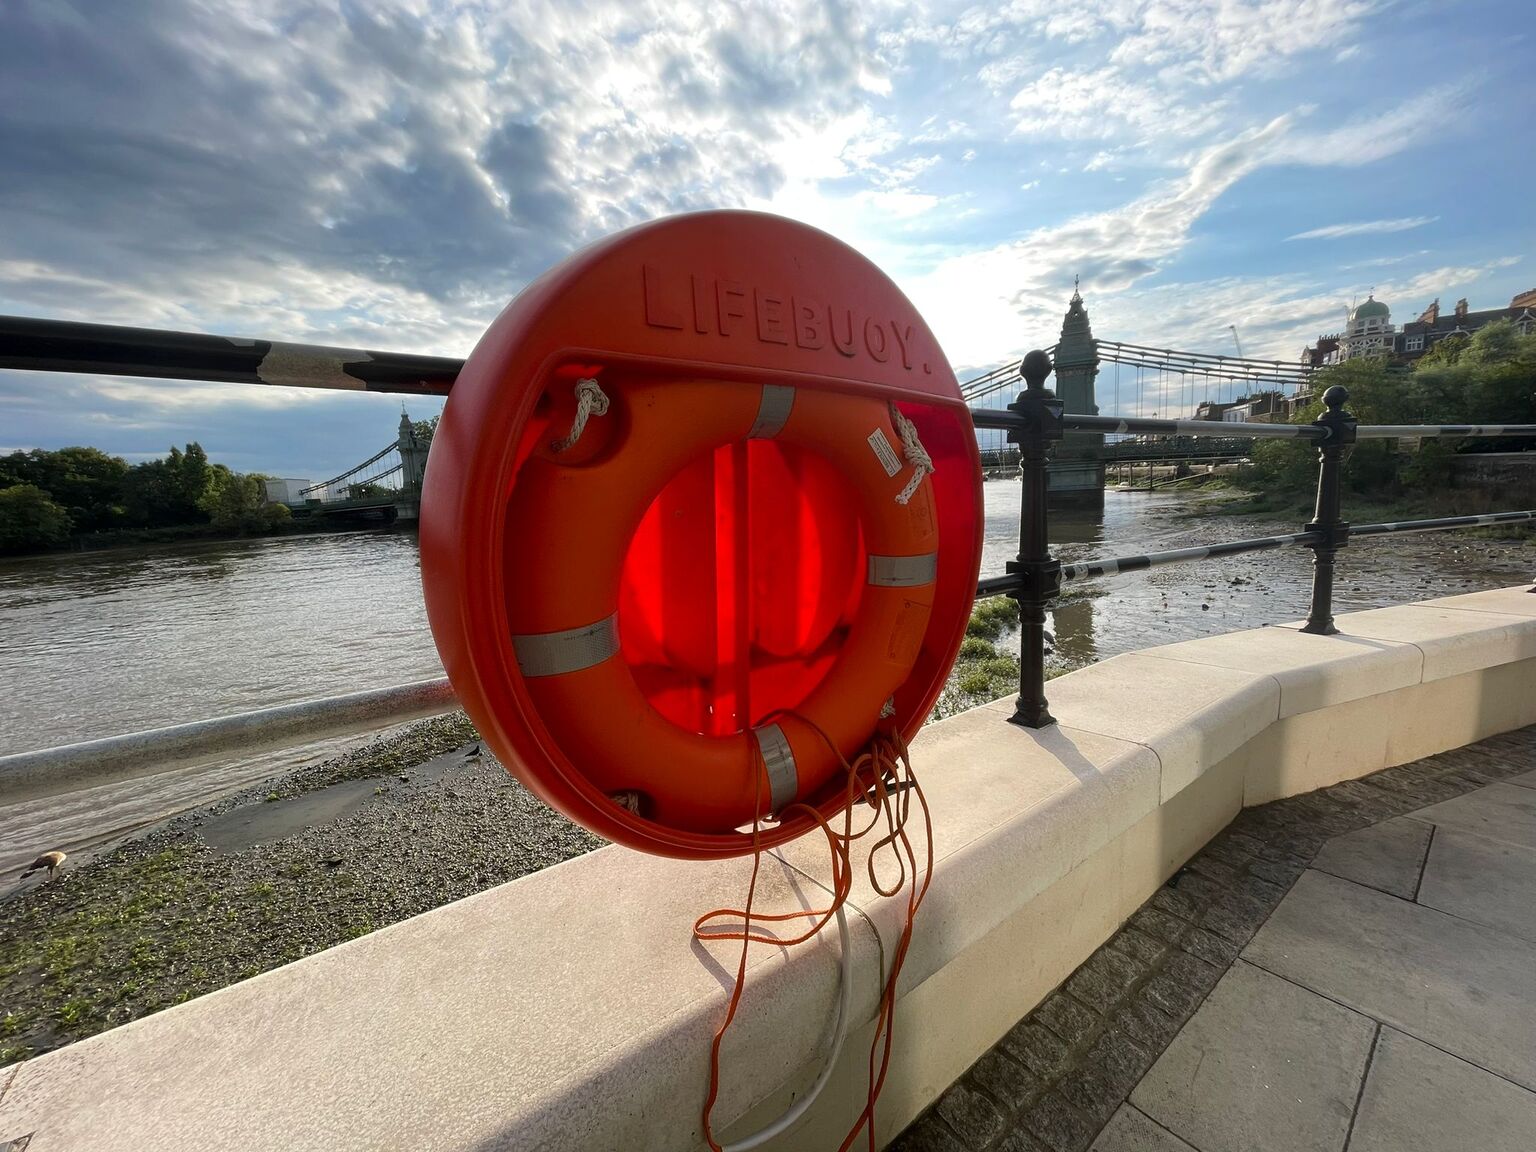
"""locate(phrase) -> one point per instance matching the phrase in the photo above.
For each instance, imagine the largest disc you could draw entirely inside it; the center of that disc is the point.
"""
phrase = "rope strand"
(591, 400)
(916, 455)
(880, 776)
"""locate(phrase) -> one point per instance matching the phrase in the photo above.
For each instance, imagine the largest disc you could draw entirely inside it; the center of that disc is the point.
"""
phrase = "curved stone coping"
(570, 1009)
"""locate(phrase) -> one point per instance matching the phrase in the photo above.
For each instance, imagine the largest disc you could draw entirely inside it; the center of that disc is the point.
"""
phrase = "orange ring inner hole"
(740, 584)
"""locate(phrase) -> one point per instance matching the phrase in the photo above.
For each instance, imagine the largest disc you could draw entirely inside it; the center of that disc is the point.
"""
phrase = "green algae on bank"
(295, 865)
(167, 917)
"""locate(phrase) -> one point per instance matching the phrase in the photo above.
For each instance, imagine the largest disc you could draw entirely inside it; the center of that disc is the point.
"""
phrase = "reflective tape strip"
(556, 653)
(903, 571)
(779, 759)
(772, 412)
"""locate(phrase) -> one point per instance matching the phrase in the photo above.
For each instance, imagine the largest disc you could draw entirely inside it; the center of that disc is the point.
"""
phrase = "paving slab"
(1387, 856)
(1131, 1131)
(1264, 1066)
(1488, 881)
(1526, 780)
(1500, 811)
(1463, 987)
(1419, 1099)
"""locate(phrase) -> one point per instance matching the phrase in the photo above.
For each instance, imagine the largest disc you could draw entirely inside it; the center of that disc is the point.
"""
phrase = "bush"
(30, 521)
(992, 618)
(975, 648)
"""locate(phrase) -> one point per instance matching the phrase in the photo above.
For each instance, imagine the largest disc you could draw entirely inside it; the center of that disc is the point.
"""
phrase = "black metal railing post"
(1326, 520)
(1039, 575)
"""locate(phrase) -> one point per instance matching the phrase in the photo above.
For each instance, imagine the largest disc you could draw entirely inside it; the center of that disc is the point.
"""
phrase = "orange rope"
(882, 777)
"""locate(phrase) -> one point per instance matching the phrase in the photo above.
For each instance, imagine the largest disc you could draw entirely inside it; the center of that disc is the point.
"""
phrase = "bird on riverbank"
(48, 860)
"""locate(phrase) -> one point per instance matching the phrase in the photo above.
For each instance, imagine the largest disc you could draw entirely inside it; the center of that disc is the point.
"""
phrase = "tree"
(1488, 378)
(149, 495)
(86, 482)
(234, 503)
(159, 493)
(29, 520)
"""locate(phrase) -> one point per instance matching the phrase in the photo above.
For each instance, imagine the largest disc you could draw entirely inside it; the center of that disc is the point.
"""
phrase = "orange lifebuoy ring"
(716, 568)
(568, 631)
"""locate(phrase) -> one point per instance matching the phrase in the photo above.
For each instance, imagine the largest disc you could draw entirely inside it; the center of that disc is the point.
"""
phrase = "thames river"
(103, 643)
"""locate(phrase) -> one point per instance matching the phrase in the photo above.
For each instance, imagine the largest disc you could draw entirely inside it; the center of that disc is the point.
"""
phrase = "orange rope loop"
(881, 776)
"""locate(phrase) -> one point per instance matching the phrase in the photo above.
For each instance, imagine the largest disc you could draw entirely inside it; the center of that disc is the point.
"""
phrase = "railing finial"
(1035, 368)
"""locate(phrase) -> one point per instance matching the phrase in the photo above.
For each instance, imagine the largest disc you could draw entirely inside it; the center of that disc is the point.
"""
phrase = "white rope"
(888, 708)
(590, 401)
(917, 456)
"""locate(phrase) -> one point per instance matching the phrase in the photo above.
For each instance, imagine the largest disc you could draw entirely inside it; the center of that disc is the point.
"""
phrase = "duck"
(48, 860)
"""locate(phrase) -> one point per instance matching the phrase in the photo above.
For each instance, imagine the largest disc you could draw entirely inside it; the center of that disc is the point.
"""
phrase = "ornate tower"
(1077, 361)
(1077, 465)
(413, 457)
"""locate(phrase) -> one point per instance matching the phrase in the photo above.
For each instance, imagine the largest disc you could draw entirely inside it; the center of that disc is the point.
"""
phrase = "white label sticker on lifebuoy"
(887, 455)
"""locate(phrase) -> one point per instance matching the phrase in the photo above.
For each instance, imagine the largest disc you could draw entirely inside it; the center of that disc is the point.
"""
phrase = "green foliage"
(234, 503)
(1487, 378)
(48, 494)
(424, 430)
(159, 493)
(85, 482)
(29, 520)
(991, 618)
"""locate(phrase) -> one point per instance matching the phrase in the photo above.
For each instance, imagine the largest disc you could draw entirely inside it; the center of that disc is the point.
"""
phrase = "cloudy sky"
(388, 173)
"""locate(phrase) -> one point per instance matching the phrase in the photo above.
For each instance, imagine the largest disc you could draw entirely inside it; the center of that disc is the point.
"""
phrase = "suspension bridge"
(386, 486)
(1141, 381)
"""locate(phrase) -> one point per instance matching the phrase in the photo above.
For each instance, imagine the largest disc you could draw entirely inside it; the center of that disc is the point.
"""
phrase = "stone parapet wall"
(570, 1009)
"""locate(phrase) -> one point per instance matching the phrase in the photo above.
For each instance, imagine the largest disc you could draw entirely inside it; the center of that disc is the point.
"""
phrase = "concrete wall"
(571, 1009)
(1508, 477)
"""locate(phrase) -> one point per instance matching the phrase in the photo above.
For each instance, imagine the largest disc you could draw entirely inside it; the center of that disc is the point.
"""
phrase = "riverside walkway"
(1350, 970)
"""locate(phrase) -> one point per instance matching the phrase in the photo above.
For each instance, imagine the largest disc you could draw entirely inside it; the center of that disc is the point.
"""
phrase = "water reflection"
(1080, 526)
(1072, 625)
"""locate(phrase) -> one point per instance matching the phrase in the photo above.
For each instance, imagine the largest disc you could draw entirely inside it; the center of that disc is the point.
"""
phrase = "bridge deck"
(1350, 969)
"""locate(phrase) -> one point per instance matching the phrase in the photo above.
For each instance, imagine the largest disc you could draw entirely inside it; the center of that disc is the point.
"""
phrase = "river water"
(104, 643)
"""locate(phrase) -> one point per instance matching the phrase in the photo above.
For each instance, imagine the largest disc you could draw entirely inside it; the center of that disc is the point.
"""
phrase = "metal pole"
(1039, 575)
(29, 344)
(1326, 520)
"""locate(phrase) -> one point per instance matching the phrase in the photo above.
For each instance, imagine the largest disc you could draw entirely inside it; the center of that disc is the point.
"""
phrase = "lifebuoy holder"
(631, 605)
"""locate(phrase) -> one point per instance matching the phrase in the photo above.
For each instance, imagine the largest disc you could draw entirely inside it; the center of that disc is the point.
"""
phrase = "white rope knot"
(888, 709)
(591, 400)
(917, 456)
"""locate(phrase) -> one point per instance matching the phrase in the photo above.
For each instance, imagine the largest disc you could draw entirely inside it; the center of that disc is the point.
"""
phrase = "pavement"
(1353, 970)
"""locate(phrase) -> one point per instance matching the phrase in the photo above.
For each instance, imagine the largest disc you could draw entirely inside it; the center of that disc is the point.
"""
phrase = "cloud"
(978, 295)
(388, 174)
(1365, 227)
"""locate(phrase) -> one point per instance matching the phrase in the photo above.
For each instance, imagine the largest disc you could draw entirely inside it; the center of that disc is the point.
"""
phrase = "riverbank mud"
(264, 877)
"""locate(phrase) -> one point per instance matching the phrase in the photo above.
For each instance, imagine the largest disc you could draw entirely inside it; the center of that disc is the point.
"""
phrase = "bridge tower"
(413, 456)
(1077, 466)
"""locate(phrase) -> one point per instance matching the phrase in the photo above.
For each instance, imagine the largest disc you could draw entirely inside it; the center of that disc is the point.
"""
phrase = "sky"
(388, 174)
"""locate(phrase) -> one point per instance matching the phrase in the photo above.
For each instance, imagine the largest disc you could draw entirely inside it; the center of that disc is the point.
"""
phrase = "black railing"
(1035, 420)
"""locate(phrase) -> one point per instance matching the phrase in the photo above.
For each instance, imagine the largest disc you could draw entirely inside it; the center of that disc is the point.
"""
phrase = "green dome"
(1371, 307)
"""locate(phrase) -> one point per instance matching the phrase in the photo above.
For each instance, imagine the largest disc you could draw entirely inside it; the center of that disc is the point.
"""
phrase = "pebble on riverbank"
(168, 916)
(295, 865)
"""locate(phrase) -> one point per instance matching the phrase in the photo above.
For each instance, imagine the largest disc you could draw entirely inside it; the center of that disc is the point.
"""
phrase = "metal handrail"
(1033, 422)
(1385, 431)
(1139, 562)
(65, 346)
(52, 770)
